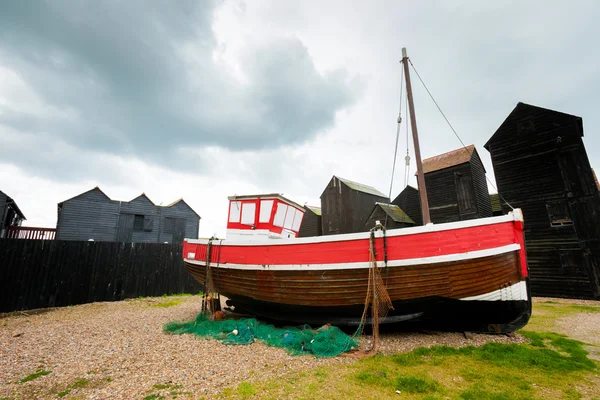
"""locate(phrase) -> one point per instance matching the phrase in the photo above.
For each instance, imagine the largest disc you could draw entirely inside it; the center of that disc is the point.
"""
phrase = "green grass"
(245, 389)
(35, 375)
(551, 366)
(77, 384)
(154, 397)
(413, 384)
(168, 303)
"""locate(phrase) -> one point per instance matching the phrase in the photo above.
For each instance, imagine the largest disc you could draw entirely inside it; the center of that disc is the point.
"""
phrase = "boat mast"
(413, 125)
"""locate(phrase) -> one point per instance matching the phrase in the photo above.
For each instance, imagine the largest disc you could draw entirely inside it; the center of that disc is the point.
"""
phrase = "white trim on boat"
(518, 291)
(514, 215)
(391, 263)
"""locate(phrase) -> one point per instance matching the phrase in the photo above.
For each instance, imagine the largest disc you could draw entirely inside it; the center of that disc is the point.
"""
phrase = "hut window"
(138, 223)
(171, 223)
(280, 215)
(148, 223)
(266, 206)
(558, 214)
(248, 211)
(235, 211)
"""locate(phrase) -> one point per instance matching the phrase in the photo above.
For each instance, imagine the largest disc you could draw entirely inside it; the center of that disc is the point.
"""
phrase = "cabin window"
(248, 212)
(297, 221)
(558, 214)
(280, 215)
(266, 206)
(289, 218)
(235, 208)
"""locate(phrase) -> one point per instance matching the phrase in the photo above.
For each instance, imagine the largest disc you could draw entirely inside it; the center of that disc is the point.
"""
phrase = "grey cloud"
(122, 68)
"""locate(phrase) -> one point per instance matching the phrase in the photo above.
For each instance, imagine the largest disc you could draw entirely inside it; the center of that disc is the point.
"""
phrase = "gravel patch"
(117, 350)
(579, 302)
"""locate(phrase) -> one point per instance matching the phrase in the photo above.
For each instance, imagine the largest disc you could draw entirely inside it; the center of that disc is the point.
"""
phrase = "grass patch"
(35, 375)
(154, 396)
(168, 303)
(552, 366)
(413, 384)
(246, 389)
(79, 383)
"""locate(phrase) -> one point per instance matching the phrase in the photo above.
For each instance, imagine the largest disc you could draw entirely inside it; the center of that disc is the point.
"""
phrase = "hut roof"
(395, 212)
(361, 187)
(314, 209)
(449, 159)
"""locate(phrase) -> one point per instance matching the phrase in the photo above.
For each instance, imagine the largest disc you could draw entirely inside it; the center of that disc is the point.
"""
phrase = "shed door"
(124, 228)
(179, 230)
(465, 196)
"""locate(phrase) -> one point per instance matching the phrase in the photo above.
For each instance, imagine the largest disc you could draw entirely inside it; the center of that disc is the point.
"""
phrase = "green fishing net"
(327, 341)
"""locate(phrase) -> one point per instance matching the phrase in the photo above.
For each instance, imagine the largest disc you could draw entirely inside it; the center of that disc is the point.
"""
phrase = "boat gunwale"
(513, 216)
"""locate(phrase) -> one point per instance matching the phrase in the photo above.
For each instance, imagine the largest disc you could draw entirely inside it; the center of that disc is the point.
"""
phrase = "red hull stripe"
(365, 264)
(422, 245)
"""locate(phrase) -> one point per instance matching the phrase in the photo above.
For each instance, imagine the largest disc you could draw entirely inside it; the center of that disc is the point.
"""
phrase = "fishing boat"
(469, 275)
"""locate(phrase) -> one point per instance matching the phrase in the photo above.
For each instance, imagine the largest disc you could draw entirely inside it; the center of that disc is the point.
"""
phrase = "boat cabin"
(263, 216)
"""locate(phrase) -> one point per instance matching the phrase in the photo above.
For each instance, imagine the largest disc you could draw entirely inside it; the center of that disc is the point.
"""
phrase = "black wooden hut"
(496, 206)
(541, 166)
(456, 186)
(93, 215)
(389, 215)
(409, 201)
(10, 214)
(311, 223)
(346, 205)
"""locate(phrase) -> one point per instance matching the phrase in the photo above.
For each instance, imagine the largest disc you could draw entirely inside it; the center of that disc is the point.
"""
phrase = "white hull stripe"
(510, 217)
(518, 291)
(391, 263)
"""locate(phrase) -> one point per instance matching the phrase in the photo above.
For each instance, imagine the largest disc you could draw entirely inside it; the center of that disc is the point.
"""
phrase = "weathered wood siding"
(141, 205)
(187, 223)
(90, 215)
(482, 194)
(56, 273)
(541, 166)
(345, 210)
(443, 197)
(311, 224)
(410, 202)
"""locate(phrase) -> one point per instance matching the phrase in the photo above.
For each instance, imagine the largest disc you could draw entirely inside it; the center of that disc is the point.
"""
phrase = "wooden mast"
(413, 125)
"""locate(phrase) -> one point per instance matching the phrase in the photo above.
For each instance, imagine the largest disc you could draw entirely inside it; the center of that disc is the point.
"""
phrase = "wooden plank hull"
(467, 274)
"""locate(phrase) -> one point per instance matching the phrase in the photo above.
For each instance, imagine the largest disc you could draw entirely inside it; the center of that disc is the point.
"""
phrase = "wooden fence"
(55, 273)
(29, 232)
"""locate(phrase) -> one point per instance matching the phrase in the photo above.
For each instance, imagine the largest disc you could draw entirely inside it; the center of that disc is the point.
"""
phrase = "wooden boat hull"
(470, 275)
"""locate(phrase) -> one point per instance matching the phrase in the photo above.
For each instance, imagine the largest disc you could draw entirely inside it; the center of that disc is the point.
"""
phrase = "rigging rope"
(407, 158)
(453, 130)
(399, 121)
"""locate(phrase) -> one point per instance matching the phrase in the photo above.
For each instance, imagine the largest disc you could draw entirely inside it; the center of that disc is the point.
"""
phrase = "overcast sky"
(205, 99)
